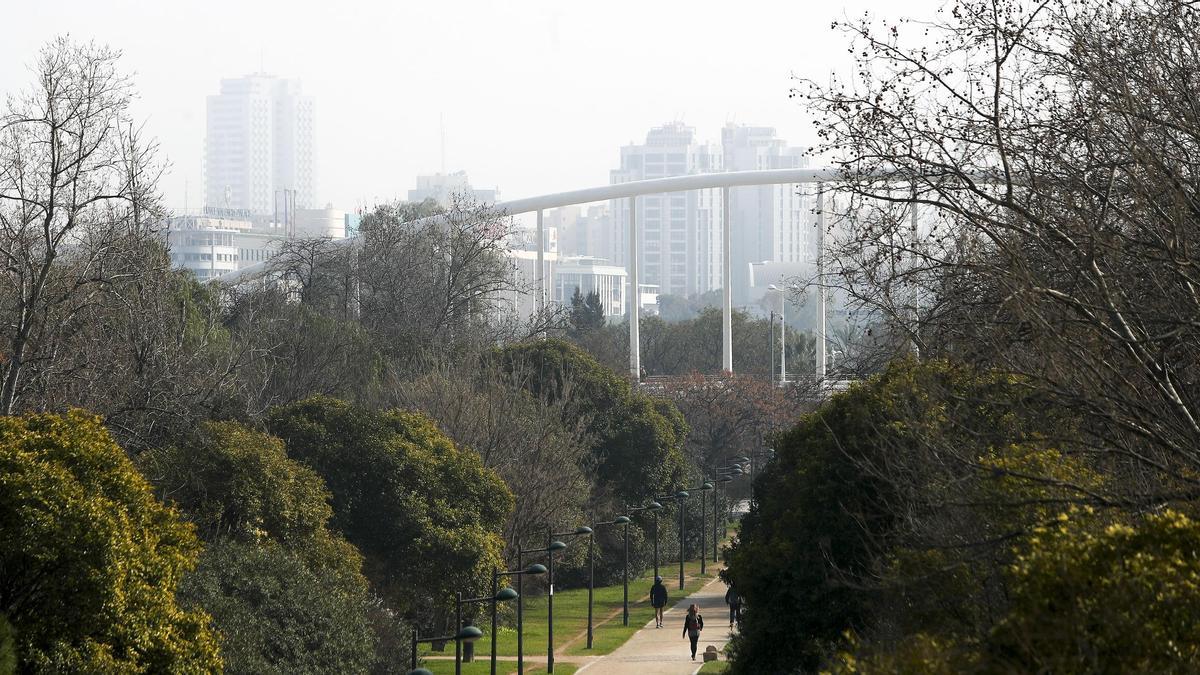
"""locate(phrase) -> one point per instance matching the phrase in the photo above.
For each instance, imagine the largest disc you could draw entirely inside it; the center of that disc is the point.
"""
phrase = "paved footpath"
(664, 651)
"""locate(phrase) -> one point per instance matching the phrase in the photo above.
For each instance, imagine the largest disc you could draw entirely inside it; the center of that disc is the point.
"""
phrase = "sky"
(534, 96)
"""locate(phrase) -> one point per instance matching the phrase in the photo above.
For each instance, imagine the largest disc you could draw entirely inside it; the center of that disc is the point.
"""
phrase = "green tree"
(426, 514)
(587, 312)
(277, 613)
(636, 440)
(890, 512)
(286, 594)
(8, 648)
(90, 559)
(1091, 597)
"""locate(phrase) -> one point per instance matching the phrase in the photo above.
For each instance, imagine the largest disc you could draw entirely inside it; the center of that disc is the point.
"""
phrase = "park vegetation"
(1016, 491)
(290, 475)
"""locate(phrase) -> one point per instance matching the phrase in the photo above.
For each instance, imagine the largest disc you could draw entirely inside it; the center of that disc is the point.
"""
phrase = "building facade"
(259, 152)
(443, 187)
(770, 222)
(679, 233)
(591, 275)
(214, 242)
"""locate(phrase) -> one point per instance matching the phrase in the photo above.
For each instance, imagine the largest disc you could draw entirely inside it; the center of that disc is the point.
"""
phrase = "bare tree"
(1050, 149)
(78, 190)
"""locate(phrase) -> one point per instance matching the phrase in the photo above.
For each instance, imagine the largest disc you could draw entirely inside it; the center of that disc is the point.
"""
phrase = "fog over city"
(629, 337)
(535, 96)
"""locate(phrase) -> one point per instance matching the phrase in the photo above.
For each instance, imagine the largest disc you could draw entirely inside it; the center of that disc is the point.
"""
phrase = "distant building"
(259, 154)
(216, 242)
(770, 222)
(442, 188)
(679, 233)
(590, 233)
(591, 275)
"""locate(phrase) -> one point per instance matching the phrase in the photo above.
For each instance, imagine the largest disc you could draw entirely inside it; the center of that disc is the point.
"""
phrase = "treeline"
(289, 475)
(1023, 497)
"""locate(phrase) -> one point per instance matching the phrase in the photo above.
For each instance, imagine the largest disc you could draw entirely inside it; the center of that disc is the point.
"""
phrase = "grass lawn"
(570, 619)
(483, 667)
(715, 667)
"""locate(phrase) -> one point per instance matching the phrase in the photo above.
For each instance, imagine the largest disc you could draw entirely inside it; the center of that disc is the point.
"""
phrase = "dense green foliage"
(8, 648)
(693, 344)
(89, 559)
(277, 613)
(885, 513)
(425, 514)
(286, 594)
(636, 440)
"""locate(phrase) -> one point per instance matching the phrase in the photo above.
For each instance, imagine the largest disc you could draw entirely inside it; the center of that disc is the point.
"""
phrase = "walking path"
(664, 651)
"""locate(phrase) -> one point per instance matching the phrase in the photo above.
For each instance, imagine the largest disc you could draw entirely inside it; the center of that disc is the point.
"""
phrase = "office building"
(259, 155)
(680, 233)
(770, 222)
(442, 188)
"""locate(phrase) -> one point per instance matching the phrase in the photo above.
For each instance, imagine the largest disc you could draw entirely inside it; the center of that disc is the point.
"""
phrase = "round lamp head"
(506, 594)
(726, 479)
(621, 520)
(707, 486)
(536, 568)
(469, 634)
(681, 495)
(653, 506)
(737, 471)
(583, 530)
(743, 459)
(557, 546)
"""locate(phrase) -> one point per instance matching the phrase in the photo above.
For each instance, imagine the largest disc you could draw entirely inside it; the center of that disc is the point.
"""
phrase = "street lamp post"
(505, 595)
(550, 550)
(463, 634)
(496, 596)
(550, 537)
(619, 520)
(653, 507)
(703, 527)
(716, 524)
(782, 329)
(678, 497)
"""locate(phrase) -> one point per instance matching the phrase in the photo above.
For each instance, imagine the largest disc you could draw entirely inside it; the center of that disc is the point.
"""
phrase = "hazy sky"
(537, 96)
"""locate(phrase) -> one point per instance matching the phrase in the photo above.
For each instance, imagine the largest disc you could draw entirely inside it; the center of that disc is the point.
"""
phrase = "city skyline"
(514, 89)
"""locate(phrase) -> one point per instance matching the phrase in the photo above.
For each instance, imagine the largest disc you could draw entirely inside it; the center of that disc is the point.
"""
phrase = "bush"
(91, 559)
(1089, 598)
(286, 593)
(425, 514)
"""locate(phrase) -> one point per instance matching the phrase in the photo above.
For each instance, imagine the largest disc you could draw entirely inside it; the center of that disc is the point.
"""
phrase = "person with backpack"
(735, 605)
(692, 625)
(658, 600)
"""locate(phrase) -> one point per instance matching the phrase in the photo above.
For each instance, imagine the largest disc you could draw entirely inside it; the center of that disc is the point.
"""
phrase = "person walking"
(735, 605)
(692, 625)
(658, 600)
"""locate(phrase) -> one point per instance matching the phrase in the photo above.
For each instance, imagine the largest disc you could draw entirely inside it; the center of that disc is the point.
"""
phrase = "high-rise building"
(679, 232)
(259, 155)
(586, 233)
(442, 188)
(770, 222)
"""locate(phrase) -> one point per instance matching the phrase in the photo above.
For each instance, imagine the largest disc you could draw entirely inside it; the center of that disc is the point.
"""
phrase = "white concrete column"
(635, 296)
(820, 283)
(541, 263)
(727, 299)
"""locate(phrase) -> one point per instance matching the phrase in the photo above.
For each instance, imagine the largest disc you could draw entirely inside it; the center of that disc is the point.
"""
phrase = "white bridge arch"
(632, 190)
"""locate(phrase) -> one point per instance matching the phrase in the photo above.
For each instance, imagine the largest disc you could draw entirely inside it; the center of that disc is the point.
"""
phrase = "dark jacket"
(693, 623)
(658, 595)
(732, 598)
